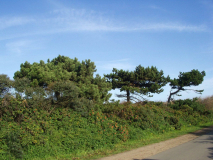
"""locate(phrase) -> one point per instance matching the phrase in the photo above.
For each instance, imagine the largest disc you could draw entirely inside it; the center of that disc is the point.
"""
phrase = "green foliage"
(149, 79)
(66, 90)
(57, 130)
(142, 80)
(27, 90)
(191, 111)
(174, 121)
(14, 146)
(5, 84)
(121, 79)
(186, 79)
(69, 96)
(65, 69)
(189, 105)
(145, 117)
(194, 77)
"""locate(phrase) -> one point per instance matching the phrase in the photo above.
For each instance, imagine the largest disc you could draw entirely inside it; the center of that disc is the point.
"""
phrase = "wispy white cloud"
(6, 22)
(171, 27)
(83, 20)
(72, 20)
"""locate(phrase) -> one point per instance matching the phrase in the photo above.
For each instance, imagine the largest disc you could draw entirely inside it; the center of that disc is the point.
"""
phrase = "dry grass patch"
(208, 102)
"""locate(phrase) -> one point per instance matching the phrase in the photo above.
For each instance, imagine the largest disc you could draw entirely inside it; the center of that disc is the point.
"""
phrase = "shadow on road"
(206, 130)
(211, 152)
(208, 140)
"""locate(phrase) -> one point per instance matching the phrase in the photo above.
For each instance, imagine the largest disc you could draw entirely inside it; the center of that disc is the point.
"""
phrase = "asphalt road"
(200, 148)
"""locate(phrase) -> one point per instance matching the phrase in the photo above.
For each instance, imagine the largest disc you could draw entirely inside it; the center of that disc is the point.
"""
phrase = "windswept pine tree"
(186, 79)
(143, 81)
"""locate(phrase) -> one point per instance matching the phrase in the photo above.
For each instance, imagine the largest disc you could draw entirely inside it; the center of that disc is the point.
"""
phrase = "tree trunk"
(128, 95)
(172, 93)
(57, 95)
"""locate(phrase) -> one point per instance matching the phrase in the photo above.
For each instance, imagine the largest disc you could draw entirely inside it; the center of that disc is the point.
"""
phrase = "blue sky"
(175, 36)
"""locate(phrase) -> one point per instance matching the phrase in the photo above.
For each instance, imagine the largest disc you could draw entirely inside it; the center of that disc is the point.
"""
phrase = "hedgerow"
(39, 130)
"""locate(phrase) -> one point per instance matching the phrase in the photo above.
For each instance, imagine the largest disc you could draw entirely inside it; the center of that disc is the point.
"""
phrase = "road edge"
(152, 149)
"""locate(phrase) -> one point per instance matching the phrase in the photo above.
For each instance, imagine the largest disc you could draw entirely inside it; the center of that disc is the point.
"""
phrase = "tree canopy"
(64, 69)
(186, 79)
(142, 80)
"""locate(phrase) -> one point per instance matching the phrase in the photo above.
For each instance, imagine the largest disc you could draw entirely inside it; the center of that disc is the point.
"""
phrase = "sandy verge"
(149, 150)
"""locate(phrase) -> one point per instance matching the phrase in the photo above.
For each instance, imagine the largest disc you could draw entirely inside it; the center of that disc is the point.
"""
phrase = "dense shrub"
(193, 103)
(191, 111)
(42, 128)
(147, 116)
(58, 129)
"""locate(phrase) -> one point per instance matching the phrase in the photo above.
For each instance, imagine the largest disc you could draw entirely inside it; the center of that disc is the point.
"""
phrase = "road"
(200, 148)
(193, 146)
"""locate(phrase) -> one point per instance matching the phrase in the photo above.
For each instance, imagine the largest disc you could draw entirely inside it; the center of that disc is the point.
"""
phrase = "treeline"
(60, 108)
(63, 76)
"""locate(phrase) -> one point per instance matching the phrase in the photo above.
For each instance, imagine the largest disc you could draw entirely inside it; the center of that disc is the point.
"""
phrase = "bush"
(147, 116)
(174, 121)
(194, 104)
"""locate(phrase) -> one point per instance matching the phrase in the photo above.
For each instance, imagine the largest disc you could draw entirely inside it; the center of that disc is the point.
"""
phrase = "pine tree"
(186, 79)
(143, 81)
(62, 69)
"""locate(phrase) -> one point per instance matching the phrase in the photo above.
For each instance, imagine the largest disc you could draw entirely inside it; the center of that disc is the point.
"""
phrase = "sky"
(175, 36)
